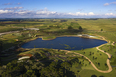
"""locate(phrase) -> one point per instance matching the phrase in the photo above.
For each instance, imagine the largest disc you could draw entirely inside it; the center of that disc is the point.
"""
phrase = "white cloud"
(45, 12)
(82, 14)
(22, 12)
(78, 13)
(50, 14)
(106, 4)
(91, 13)
(111, 14)
(5, 11)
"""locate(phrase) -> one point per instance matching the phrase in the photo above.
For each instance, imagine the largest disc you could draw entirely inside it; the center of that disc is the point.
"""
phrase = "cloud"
(81, 14)
(7, 4)
(43, 13)
(13, 8)
(90, 13)
(5, 11)
(22, 12)
(111, 14)
(106, 4)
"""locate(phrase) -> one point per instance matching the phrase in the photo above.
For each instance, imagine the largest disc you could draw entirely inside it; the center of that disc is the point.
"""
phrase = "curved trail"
(108, 61)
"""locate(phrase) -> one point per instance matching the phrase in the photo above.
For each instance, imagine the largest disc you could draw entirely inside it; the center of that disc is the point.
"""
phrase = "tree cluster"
(30, 68)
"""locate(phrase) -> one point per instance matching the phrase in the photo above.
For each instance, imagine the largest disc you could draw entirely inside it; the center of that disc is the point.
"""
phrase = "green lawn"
(101, 57)
(89, 73)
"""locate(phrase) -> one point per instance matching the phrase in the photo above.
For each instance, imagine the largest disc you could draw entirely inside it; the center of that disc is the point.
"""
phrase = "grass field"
(50, 28)
(101, 57)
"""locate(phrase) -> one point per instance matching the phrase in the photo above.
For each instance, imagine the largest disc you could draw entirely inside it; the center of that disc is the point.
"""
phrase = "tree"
(89, 62)
(101, 29)
(66, 65)
(96, 58)
(1, 45)
(30, 73)
(105, 64)
(93, 57)
(58, 50)
(80, 62)
(82, 56)
(80, 28)
(14, 69)
(1, 48)
(99, 64)
(93, 76)
(51, 71)
(70, 27)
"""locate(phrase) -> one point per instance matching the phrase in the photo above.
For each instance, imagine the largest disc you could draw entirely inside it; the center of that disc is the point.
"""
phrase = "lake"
(65, 43)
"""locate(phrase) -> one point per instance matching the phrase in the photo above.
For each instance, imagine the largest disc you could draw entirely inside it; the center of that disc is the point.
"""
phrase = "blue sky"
(58, 9)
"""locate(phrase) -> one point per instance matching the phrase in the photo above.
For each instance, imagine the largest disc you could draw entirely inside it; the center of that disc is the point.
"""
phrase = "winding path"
(108, 61)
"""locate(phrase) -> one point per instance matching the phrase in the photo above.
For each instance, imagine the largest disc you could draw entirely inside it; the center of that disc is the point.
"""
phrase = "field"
(52, 28)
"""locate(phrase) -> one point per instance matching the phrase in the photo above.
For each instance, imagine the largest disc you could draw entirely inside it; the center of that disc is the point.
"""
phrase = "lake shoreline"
(59, 36)
(102, 38)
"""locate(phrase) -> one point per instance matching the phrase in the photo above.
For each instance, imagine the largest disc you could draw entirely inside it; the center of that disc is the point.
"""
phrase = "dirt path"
(108, 61)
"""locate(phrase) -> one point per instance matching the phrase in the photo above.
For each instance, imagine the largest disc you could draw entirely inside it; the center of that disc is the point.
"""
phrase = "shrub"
(70, 27)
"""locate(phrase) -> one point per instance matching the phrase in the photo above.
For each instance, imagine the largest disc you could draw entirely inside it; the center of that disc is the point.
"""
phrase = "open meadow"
(56, 61)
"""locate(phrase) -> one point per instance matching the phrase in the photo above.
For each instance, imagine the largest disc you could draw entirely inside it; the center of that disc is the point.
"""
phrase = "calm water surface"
(65, 43)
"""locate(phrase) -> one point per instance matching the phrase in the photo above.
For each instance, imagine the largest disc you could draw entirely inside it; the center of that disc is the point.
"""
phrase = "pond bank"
(101, 38)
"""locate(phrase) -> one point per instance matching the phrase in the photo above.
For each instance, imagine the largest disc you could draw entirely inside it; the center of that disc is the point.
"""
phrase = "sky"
(57, 8)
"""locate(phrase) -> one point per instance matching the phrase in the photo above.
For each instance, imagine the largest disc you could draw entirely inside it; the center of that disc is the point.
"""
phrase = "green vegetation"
(112, 50)
(97, 57)
(53, 62)
(9, 29)
(45, 62)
